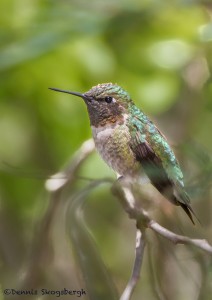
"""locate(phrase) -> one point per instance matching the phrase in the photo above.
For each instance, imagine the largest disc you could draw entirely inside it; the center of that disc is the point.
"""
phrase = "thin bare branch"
(179, 239)
(55, 185)
(139, 252)
(60, 179)
(122, 189)
(124, 193)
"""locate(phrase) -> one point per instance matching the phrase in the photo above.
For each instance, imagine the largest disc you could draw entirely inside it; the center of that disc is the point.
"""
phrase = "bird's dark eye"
(108, 99)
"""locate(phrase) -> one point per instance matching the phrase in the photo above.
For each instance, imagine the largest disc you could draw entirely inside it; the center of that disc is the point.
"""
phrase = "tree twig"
(60, 179)
(123, 191)
(179, 239)
(139, 251)
(55, 185)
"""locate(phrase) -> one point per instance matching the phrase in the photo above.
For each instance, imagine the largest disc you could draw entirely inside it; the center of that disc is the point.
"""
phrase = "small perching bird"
(128, 141)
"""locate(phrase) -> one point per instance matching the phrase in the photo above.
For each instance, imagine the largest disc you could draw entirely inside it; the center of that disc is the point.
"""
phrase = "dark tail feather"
(183, 200)
(189, 211)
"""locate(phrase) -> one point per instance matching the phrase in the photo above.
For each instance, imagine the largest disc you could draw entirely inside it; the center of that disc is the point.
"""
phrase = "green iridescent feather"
(140, 125)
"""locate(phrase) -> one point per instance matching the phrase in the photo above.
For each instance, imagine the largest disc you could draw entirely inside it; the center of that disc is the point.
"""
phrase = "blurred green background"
(160, 51)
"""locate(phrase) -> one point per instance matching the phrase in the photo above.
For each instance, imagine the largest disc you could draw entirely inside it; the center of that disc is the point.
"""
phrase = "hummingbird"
(129, 142)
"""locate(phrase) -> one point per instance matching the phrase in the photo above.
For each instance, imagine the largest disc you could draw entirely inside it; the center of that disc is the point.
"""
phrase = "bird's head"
(106, 103)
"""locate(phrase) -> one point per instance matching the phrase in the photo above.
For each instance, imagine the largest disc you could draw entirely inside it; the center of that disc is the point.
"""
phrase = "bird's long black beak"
(68, 92)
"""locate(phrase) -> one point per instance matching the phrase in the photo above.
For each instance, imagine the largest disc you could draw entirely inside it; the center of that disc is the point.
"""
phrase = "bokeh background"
(161, 52)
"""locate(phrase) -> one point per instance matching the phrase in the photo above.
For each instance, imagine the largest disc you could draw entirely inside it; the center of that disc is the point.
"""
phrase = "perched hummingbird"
(128, 141)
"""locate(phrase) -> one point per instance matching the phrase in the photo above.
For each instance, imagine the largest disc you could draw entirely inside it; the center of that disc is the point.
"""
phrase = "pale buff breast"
(113, 145)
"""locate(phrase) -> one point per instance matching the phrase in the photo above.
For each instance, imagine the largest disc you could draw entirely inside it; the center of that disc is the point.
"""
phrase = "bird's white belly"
(113, 145)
